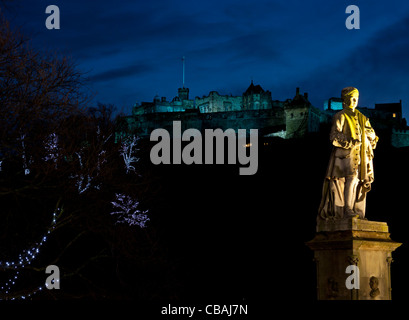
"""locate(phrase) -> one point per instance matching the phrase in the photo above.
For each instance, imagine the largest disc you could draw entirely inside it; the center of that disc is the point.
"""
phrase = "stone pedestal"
(362, 243)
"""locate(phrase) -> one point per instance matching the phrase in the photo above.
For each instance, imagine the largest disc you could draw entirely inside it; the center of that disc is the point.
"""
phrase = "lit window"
(394, 115)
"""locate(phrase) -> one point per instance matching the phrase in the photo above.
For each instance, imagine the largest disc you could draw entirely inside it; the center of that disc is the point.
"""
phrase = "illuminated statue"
(373, 284)
(350, 169)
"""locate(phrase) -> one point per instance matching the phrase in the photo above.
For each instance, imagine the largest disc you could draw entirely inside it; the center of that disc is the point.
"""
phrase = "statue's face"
(373, 283)
(351, 101)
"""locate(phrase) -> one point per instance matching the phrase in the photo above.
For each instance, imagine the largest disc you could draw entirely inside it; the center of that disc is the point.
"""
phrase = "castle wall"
(296, 121)
(168, 107)
(257, 101)
(162, 105)
(314, 119)
(266, 121)
(400, 138)
(218, 103)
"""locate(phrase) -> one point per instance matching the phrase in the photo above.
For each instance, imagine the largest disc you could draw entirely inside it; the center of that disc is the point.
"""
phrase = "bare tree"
(60, 172)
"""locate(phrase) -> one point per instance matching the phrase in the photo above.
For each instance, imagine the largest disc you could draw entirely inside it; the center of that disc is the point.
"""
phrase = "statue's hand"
(367, 186)
(356, 143)
(373, 143)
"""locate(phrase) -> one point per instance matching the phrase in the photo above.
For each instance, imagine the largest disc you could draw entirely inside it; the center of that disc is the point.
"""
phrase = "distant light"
(394, 115)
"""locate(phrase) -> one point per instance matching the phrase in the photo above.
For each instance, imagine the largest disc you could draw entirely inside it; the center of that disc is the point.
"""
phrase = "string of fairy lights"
(25, 258)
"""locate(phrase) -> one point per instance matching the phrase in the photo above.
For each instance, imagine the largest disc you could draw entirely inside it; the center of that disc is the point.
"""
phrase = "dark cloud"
(123, 72)
(379, 68)
(232, 56)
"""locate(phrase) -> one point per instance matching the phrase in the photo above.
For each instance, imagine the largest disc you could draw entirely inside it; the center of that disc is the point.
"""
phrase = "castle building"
(255, 109)
(255, 98)
(334, 104)
(179, 103)
(301, 117)
(215, 102)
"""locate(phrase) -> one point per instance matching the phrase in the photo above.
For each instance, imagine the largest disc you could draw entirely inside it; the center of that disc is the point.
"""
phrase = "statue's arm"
(337, 136)
(370, 133)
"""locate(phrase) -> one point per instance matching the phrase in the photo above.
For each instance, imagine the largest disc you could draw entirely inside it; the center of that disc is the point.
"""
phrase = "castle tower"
(255, 98)
(183, 93)
(296, 115)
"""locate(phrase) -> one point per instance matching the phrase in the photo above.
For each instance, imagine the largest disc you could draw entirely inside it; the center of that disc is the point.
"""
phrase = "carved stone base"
(362, 243)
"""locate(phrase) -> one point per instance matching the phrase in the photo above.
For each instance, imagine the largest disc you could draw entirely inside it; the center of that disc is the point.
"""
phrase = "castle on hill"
(255, 109)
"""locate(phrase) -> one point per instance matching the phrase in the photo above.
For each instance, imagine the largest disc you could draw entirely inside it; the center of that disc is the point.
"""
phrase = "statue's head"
(373, 283)
(349, 96)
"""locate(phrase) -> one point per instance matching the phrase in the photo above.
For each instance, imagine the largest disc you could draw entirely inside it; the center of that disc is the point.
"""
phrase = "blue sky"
(132, 50)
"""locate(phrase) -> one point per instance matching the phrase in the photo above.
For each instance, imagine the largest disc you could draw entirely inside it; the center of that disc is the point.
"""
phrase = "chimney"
(306, 95)
(297, 92)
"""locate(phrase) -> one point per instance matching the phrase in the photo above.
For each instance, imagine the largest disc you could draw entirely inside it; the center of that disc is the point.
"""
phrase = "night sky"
(132, 50)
